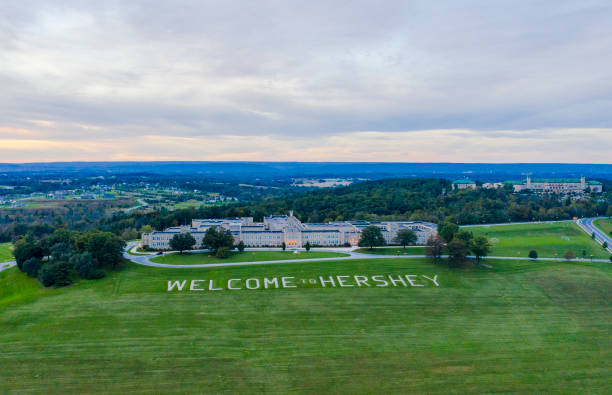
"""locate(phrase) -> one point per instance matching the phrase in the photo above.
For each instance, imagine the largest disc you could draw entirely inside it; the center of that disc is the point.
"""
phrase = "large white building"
(559, 186)
(276, 229)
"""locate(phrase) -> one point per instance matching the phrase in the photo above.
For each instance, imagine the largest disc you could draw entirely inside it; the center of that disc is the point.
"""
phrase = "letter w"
(176, 284)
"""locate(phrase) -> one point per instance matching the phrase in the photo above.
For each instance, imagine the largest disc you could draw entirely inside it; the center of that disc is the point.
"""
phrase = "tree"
(569, 255)
(434, 247)
(60, 251)
(593, 235)
(481, 247)
(181, 242)
(146, 229)
(307, 246)
(447, 230)
(215, 238)
(129, 234)
(465, 236)
(405, 237)
(533, 254)
(241, 246)
(458, 250)
(222, 252)
(283, 246)
(371, 236)
(84, 266)
(31, 267)
(106, 248)
(47, 274)
(62, 276)
(605, 245)
(25, 249)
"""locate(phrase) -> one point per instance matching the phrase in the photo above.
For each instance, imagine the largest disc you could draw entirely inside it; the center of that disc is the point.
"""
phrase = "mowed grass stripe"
(604, 224)
(6, 253)
(550, 240)
(200, 258)
(518, 327)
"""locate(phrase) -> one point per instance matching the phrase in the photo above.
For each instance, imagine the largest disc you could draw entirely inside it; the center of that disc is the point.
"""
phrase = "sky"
(392, 81)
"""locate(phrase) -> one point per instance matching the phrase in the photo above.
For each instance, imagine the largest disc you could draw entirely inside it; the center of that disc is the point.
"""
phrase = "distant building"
(464, 183)
(561, 186)
(493, 185)
(278, 229)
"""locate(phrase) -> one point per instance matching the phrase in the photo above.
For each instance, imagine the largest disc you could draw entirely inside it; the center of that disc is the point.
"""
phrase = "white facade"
(277, 229)
(559, 186)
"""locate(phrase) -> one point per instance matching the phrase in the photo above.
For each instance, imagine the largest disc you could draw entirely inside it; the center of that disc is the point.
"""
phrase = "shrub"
(84, 266)
(569, 255)
(241, 246)
(533, 254)
(47, 274)
(62, 274)
(55, 273)
(25, 249)
(222, 252)
(31, 267)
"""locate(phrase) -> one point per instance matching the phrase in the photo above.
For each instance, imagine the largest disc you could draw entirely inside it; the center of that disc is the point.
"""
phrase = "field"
(605, 225)
(5, 252)
(393, 251)
(551, 240)
(246, 256)
(517, 327)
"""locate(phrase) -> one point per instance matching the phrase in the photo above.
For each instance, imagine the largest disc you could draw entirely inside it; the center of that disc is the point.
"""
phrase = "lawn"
(5, 252)
(418, 250)
(517, 327)
(189, 203)
(605, 225)
(246, 256)
(551, 240)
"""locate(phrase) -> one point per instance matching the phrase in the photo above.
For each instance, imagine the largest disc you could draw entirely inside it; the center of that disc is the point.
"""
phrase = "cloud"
(456, 145)
(317, 72)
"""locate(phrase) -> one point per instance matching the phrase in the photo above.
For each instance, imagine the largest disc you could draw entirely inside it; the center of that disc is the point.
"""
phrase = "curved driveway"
(145, 260)
(600, 236)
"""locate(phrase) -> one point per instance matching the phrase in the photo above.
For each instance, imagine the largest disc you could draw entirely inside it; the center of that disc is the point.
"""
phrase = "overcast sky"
(409, 81)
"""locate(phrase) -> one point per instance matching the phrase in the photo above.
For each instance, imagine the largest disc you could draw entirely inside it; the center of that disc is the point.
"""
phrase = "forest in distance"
(409, 199)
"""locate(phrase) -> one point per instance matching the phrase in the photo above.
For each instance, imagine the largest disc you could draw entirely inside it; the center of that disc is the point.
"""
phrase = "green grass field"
(5, 252)
(605, 225)
(517, 327)
(551, 240)
(393, 251)
(246, 256)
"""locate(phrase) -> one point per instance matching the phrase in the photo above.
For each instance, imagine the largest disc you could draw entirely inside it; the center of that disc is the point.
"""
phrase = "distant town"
(537, 185)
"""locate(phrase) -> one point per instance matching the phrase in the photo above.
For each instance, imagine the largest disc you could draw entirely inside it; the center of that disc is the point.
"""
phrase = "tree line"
(63, 256)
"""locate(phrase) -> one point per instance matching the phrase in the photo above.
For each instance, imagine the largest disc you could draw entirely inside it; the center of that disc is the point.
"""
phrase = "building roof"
(593, 182)
(464, 181)
(557, 180)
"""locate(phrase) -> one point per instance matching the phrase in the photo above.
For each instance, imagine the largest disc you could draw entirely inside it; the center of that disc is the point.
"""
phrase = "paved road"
(517, 223)
(588, 226)
(7, 265)
(142, 204)
(145, 259)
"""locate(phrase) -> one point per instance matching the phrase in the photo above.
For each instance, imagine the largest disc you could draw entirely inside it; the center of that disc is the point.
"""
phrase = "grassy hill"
(551, 240)
(246, 256)
(6, 252)
(517, 327)
(605, 225)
